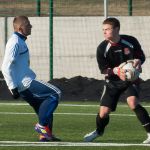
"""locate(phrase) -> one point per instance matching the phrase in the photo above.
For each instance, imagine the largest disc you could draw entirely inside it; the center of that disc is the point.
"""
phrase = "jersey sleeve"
(8, 65)
(138, 54)
(101, 59)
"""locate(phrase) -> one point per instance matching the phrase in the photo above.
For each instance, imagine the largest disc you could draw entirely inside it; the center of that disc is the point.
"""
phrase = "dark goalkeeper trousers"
(43, 97)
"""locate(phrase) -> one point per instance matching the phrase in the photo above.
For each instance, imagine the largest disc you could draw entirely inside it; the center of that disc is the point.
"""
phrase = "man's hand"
(137, 64)
(15, 93)
(121, 73)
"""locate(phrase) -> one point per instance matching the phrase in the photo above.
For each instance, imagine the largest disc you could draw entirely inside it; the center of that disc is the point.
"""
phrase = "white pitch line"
(79, 105)
(76, 114)
(16, 113)
(67, 105)
(14, 104)
(59, 144)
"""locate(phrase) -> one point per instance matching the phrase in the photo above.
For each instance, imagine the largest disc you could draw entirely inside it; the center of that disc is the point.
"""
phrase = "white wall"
(76, 40)
(2, 39)
(75, 43)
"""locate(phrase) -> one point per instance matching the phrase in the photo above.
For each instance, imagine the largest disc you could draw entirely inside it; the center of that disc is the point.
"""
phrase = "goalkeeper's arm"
(115, 71)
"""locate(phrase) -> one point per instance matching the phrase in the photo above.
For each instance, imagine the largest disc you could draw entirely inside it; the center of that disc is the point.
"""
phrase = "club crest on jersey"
(126, 51)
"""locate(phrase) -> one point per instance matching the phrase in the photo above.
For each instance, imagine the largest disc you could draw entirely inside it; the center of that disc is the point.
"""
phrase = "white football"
(131, 72)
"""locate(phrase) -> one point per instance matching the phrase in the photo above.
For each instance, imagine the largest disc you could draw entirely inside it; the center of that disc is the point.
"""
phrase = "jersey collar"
(21, 36)
(116, 44)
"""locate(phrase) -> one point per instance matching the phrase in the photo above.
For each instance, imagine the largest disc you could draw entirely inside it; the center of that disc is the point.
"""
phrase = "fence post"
(38, 9)
(130, 7)
(51, 37)
(105, 8)
(6, 29)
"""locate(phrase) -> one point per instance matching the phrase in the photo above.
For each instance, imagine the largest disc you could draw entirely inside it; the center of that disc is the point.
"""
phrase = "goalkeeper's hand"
(15, 93)
(121, 73)
(136, 64)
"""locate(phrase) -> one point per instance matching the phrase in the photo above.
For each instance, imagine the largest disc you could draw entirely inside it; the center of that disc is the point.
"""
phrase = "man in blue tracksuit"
(20, 79)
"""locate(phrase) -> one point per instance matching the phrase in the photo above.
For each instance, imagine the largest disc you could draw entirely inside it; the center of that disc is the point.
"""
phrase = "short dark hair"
(112, 21)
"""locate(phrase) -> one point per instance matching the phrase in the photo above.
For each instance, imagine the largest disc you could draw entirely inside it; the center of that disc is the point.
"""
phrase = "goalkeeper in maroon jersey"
(113, 51)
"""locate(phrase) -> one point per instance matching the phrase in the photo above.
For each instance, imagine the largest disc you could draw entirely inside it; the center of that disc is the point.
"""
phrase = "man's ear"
(20, 29)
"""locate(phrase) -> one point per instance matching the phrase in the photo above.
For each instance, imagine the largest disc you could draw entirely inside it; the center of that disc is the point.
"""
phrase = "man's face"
(26, 28)
(109, 32)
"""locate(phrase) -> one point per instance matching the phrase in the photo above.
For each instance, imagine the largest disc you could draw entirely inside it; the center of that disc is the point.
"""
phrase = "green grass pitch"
(72, 120)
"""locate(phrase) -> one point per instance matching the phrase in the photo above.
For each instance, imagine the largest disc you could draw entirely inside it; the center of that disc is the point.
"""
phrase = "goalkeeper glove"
(15, 93)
